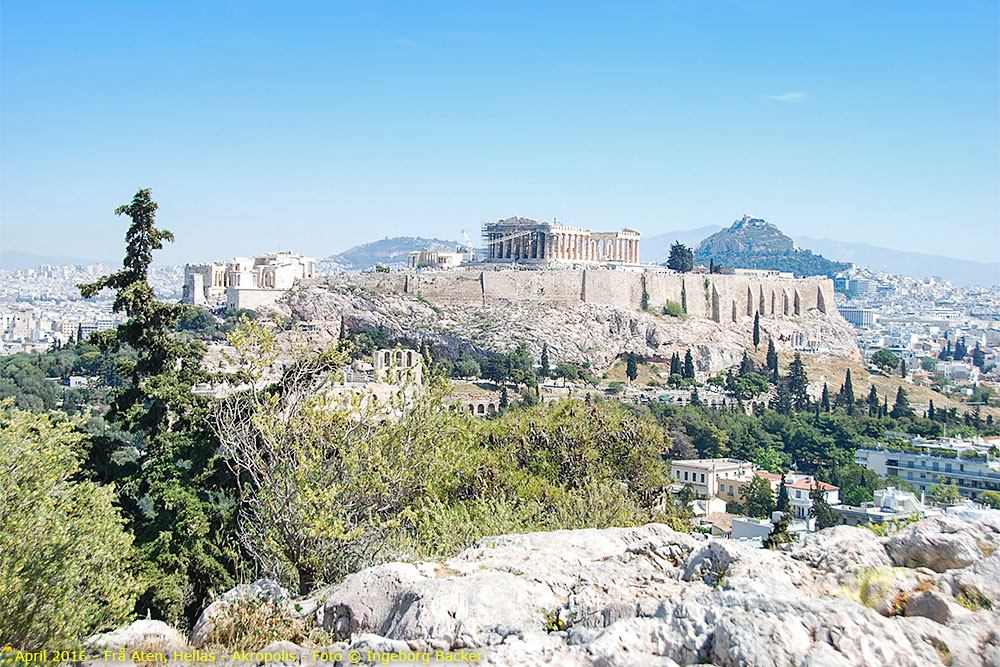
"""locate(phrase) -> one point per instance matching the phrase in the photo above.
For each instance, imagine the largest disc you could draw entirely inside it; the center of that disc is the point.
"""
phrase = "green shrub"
(673, 309)
(64, 557)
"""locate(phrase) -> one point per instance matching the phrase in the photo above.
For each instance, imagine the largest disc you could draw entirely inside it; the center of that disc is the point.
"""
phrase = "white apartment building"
(966, 465)
(705, 475)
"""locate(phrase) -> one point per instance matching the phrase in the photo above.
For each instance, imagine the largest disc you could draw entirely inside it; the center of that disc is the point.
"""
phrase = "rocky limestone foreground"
(651, 596)
(594, 333)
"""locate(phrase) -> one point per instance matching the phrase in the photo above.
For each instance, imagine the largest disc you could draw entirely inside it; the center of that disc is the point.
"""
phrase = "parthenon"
(524, 240)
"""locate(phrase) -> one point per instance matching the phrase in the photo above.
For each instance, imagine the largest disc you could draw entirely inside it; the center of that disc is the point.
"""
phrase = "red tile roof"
(767, 475)
(809, 486)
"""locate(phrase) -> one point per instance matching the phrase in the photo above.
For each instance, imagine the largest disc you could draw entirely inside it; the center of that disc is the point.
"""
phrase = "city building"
(244, 282)
(859, 317)
(890, 504)
(800, 491)
(527, 241)
(923, 463)
(705, 475)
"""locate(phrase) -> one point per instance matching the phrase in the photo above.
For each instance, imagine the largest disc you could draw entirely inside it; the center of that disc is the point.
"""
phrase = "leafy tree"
(768, 458)
(466, 366)
(681, 258)
(175, 491)
(798, 384)
(688, 366)
(64, 556)
(544, 361)
(496, 368)
(616, 388)
(631, 369)
(756, 330)
(990, 499)
(885, 360)
(567, 371)
(758, 498)
(750, 386)
(945, 493)
(902, 407)
(782, 504)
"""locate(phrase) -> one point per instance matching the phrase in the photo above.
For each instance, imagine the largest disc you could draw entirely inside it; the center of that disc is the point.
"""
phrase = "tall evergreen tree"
(902, 368)
(631, 368)
(746, 366)
(783, 502)
(960, 351)
(544, 361)
(675, 364)
(930, 410)
(885, 407)
(826, 516)
(798, 384)
(782, 400)
(175, 491)
(847, 393)
(978, 356)
(902, 406)
(826, 398)
(688, 366)
(756, 330)
(772, 360)
(873, 402)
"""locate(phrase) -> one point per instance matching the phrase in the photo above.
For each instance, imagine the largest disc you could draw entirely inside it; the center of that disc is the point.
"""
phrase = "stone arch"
(388, 358)
(481, 409)
(491, 409)
(472, 408)
(409, 358)
(798, 303)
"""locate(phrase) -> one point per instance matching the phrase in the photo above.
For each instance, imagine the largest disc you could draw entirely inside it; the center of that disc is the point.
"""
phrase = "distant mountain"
(388, 251)
(656, 249)
(753, 243)
(15, 260)
(917, 265)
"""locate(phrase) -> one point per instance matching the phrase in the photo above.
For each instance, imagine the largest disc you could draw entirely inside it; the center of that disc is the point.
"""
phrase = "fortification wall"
(723, 298)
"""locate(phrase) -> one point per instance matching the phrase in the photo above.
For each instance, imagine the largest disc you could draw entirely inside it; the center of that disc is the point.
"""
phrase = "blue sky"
(318, 126)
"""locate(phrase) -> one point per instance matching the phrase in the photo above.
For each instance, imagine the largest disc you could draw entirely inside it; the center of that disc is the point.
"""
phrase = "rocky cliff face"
(651, 596)
(600, 334)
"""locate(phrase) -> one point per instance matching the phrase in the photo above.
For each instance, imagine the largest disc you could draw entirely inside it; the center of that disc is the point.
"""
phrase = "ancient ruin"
(523, 240)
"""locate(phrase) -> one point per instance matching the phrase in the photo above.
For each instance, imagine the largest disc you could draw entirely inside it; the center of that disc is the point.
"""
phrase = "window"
(798, 494)
(685, 476)
(730, 489)
(702, 478)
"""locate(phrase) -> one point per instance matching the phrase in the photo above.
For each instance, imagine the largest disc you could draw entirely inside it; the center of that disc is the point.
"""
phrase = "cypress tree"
(847, 391)
(756, 330)
(798, 384)
(902, 406)
(872, 402)
(675, 364)
(772, 360)
(544, 360)
(688, 365)
(746, 366)
(902, 368)
(782, 504)
(930, 410)
(631, 369)
(826, 398)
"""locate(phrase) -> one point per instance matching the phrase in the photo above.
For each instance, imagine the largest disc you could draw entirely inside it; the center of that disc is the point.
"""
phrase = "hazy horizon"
(316, 128)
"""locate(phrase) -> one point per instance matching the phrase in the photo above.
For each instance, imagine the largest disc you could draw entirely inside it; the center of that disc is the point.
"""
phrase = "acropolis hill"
(590, 315)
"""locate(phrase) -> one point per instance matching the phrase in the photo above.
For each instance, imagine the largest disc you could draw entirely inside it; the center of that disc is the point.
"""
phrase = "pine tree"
(746, 366)
(772, 360)
(798, 384)
(960, 351)
(544, 361)
(695, 400)
(826, 516)
(688, 366)
(681, 258)
(885, 407)
(826, 398)
(756, 330)
(782, 400)
(631, 369)
(675, 364)
(930, 410)
(779, 534)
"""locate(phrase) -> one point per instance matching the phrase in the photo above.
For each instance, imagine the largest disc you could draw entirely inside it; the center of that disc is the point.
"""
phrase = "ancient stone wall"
(723, 298)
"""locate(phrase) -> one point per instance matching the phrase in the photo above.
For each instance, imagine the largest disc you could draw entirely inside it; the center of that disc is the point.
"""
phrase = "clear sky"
(318, 126)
